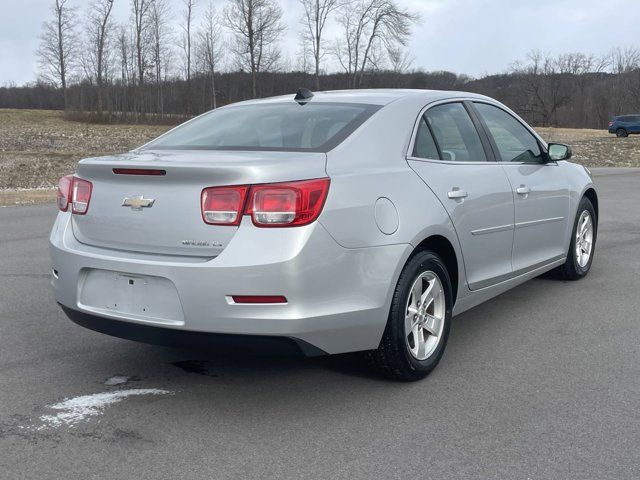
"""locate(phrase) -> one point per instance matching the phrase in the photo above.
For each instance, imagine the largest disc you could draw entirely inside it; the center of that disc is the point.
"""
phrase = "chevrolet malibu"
(338, 222)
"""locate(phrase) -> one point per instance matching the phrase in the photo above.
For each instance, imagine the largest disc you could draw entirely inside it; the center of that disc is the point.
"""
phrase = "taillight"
(611, 124)
(81, 196)
(223, 205)
(76, 192)
(64, 192)
(290, 204)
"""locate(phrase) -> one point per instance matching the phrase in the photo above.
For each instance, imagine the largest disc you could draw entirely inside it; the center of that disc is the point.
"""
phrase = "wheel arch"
(444, 248)
(591, 194)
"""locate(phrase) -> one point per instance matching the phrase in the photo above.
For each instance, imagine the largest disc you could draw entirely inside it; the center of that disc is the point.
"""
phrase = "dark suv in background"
(625, 125)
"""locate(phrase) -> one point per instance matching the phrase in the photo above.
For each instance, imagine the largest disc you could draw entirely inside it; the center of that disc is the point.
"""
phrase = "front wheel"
(583, 242)
(419, 320)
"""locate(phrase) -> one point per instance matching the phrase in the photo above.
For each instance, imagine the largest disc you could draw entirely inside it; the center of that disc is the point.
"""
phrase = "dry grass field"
(37, 147)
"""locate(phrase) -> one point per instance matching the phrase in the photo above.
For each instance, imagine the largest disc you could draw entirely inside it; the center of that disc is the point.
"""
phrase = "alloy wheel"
(425, 315)
(584, 239)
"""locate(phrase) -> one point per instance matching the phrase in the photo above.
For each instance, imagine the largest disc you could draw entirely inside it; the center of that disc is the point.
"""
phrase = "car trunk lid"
(161, 213)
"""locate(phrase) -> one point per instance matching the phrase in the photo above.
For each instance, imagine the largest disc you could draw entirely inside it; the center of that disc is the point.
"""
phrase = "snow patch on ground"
(76, 410)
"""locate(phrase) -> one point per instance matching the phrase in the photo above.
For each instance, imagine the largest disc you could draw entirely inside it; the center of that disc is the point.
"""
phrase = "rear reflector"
(138, 171)
(258, 299)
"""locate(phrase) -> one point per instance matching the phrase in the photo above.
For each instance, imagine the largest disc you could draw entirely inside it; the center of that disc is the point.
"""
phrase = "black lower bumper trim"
(218, 342)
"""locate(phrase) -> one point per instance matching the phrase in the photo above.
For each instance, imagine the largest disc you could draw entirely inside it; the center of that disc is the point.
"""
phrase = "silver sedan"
(337, 222)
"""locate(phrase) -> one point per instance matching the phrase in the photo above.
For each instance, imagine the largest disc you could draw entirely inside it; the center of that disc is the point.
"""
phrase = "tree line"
(154, 68)
(134, 67)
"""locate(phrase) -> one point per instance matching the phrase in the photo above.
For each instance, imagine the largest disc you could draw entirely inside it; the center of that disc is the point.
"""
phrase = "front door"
(540, 192)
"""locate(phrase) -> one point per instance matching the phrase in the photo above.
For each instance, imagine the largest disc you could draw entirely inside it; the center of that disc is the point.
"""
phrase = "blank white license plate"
(141, 297)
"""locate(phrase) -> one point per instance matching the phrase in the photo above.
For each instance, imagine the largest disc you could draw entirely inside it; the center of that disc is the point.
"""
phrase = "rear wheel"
(621, 133)
(583, 242)
(419, 321)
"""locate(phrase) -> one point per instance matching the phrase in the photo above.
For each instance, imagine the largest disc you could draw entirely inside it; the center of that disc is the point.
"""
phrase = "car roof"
(374, 96)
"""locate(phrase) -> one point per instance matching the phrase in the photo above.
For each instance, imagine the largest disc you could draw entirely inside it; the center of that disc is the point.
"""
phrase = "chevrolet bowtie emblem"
(138, 202)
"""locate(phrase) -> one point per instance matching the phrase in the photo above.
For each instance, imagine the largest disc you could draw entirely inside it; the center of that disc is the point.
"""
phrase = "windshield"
(313, 127)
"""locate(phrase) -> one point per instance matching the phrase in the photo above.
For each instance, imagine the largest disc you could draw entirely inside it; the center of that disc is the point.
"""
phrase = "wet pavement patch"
(201, 367)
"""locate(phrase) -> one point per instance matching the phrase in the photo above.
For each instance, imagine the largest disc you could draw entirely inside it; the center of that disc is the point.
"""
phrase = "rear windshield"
(314, 127)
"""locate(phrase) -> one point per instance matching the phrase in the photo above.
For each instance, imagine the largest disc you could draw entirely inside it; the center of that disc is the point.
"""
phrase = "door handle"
(522, 190)
(457, 193)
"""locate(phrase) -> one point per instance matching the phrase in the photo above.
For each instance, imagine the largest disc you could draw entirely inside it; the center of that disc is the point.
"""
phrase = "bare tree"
(544, 87)
(400, 59)
(623, 60)
(140, 10)
(125, 55)
(315, 16)
(186, 38)
(209, 47)
(58, 46)
(369, 28)
(98, 32)
(257, 27)
(161, 49)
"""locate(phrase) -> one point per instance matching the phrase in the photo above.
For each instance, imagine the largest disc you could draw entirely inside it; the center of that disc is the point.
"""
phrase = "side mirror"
(559, 151)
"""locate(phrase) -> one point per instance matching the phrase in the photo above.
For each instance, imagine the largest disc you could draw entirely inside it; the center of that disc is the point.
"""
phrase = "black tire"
(393, 358)
(621, 133)
(571, 269)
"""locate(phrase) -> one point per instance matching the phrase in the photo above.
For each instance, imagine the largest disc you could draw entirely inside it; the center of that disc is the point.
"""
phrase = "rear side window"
(314, 127)
(515, 143)
(455, 134)
(425, 146)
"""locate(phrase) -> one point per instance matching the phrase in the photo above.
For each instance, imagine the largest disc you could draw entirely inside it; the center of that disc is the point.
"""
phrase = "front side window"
(515, 143)
(313, 127)
(455, 134)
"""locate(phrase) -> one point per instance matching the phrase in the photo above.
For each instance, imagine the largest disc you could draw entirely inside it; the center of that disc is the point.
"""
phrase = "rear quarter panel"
(370, 165)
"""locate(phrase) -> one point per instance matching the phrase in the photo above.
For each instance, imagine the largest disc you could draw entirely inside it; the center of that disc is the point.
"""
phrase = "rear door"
(455, 162)
(540, 191)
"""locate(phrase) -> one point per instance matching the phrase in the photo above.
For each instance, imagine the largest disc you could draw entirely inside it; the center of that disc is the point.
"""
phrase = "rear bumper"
(217, 342)
(338, 298)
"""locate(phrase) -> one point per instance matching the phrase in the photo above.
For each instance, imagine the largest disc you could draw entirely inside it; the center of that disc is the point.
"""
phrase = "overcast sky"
(464, 36)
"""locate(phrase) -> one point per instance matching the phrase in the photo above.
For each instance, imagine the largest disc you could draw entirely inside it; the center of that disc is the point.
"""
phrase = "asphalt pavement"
(542, 382)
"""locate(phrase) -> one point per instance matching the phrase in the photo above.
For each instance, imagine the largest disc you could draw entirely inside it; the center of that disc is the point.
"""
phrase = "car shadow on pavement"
(211, 364)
